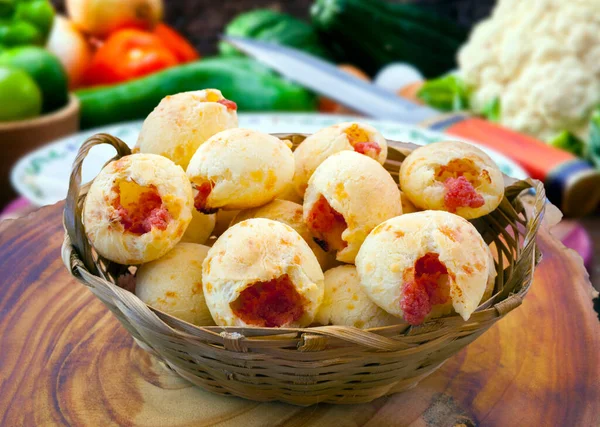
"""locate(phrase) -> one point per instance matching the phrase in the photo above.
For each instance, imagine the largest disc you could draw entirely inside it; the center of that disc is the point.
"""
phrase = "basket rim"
(375, 338)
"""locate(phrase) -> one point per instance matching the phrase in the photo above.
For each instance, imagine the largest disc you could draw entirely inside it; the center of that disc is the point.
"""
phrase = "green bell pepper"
(568, 141)
(446, 93)
(25, 22)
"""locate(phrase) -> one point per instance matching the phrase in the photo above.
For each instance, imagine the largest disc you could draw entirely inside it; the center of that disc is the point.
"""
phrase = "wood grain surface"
(64, 359)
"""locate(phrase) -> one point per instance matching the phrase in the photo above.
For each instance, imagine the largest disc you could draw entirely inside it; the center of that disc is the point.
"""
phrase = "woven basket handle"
(73, 213)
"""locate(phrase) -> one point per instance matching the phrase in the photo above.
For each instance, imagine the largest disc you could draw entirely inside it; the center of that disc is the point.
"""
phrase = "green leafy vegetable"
(568, 142)
(492, 110)
(593, 149)
(447, 93)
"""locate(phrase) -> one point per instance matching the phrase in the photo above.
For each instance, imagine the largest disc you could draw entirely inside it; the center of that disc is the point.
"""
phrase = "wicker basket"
(322, 364)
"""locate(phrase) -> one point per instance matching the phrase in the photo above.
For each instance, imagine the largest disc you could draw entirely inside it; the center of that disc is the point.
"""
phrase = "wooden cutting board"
(65, 360)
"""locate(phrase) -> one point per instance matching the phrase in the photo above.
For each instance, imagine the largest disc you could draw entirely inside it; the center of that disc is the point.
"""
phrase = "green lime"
(20, 97)
(45, 69)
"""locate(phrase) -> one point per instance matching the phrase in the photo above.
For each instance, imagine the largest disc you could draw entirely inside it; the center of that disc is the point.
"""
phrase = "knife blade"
(571, 183)
(325, 78)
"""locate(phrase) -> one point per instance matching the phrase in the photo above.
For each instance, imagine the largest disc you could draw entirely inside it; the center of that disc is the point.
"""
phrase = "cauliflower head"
(541, 60)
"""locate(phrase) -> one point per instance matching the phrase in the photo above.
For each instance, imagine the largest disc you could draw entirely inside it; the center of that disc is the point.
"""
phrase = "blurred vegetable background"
(512, 68)
(201, 21)
(115, 54)
(334, 29)
(525, 65)
(78, 45)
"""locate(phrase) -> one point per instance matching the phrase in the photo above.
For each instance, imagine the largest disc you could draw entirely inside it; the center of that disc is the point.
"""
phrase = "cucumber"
(372, 33)
(429, 20)
(251, 85)
(249, 24)
(272, 26)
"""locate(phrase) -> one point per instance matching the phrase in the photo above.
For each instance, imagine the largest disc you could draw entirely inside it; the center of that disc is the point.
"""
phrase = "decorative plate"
(43, 175)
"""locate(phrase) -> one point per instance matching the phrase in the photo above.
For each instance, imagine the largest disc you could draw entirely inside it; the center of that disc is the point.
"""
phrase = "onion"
(101, 17)
(71, 48)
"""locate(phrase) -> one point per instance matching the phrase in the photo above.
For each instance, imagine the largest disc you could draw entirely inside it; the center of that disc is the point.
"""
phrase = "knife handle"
(571, 183)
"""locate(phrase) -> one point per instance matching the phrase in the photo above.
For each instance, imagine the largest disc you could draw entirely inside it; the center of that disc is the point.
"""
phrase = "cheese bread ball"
(223, 222)
(452, 176)
(348, 195)
(182, 122)
(138, 208)
(353, 136)
(407, 205)
(262, 273)
(425, 264)
(173, 284)
(200, 228)
(239, 169)
(345, 303)
(289, 193)
(291, 214)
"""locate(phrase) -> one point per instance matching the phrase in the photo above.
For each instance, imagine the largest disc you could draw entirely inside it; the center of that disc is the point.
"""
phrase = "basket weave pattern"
(303, 366)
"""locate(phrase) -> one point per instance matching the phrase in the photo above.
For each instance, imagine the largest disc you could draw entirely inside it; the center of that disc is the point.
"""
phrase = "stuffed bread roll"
(239, 169)
(138, 208)
(352, 136)
(454, 177)
(184, 121)
(348, 195)
(289, 213)
(262, 273)
(425, 264)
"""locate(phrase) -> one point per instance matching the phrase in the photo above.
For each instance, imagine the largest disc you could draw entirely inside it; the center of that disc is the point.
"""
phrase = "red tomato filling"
(359, 139)
(272, 304)
(140, 216)
(229, 104)
(327, 225)
(460, 193)
(369, 148)
(202, 192)
(427, 287)
(461, 177)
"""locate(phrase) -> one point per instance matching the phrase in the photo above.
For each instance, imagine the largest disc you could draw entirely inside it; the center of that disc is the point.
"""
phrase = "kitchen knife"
(571, 183)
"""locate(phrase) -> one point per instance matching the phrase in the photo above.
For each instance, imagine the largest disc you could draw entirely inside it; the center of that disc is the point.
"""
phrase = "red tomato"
(128, 54)
(176, 43)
